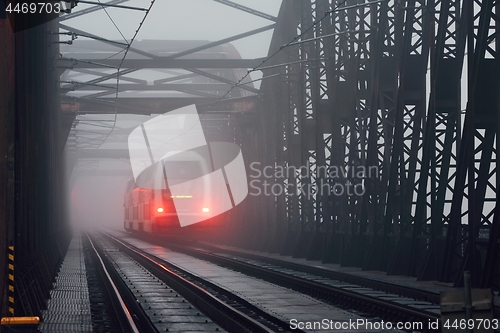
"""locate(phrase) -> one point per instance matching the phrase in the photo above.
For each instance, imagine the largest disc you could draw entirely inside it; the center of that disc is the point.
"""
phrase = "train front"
(185, 194)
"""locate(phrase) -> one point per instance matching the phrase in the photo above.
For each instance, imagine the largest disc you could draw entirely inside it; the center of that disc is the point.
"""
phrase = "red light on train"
(205, 210)
(159, 210)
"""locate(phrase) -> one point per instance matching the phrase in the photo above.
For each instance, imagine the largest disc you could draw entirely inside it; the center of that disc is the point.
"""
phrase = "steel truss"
(98, 83)
(378, 84)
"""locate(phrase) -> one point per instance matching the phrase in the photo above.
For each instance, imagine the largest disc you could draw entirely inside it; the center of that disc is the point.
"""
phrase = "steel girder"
(473, 229)
(352, 91)
(32, 203)
(185, 72)
(441, 142)
(405, 166)
(277, 220)
(330, 87)
(167, 63)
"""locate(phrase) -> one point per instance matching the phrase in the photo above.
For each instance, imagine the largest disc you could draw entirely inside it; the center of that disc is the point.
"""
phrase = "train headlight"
(205, 210)
(159, 210)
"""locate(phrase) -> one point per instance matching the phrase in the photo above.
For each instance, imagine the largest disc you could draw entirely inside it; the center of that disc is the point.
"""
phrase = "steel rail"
(387, 307)
(406, 291)
(388, 287)
(222, 313)
(110, 281)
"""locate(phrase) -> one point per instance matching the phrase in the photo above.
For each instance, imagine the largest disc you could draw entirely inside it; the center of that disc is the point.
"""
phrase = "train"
(173, 192)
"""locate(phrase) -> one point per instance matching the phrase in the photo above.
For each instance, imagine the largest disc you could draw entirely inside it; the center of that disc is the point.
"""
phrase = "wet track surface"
(167, 310)
(155, 285)
(289, 305)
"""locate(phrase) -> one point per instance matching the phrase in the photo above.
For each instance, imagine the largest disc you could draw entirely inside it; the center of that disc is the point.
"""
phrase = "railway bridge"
(368, 131)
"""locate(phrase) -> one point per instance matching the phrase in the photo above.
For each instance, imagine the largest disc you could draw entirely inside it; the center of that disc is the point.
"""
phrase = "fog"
(98, 143)
(97, 185)
(96, 201)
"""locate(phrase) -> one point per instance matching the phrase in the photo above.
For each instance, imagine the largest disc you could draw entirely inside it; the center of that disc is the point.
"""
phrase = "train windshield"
(176, 168)
(179, 171)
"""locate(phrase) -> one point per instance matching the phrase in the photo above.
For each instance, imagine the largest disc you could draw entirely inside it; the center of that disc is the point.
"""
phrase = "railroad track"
(355, 280)
(406, 291)
(395, 303)
(103, 291)
(163, 297)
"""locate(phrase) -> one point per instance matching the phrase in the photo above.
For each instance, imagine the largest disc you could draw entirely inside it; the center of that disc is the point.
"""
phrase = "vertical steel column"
(354, 124)
(409, 115)
(366, 25)
(331, 130)
(278, 147)
(341, 103)
(321, 106)
(313, 154)
(490, 277)
(7, 150)
(471, 224)
(441, 141)
(39, 230)
(379, 142)
(305, 132)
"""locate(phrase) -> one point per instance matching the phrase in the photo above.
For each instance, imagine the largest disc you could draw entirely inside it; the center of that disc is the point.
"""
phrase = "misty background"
(97, 185)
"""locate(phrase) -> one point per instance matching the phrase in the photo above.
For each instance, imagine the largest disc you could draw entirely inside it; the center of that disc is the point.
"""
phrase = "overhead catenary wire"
(115, 54)
(127, 48)
(112, 21)
(294, 41)
(262, 78)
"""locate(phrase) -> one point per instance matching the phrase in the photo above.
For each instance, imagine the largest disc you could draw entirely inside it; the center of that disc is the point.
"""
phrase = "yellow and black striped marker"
(10, 293)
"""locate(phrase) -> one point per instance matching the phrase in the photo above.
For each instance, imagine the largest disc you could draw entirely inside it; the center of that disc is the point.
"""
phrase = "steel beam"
(148, 106)
(470, 228)
(409, 113)
(88, 86)
(7, 150)
(163, 62)
(441, 140)
(222, 41)
(247, 9)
